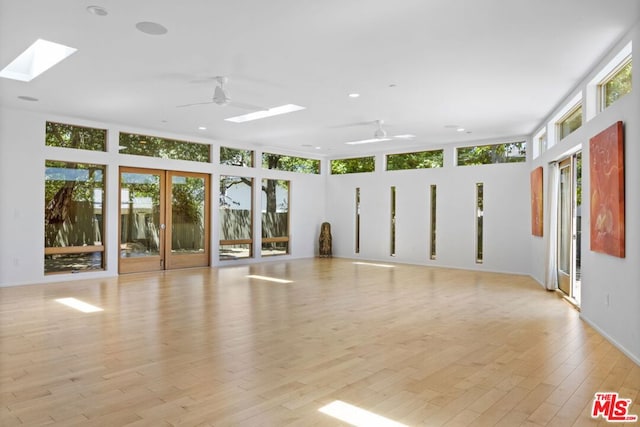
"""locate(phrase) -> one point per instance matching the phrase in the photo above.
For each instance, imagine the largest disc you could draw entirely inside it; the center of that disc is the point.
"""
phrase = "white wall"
(506, 214)
(22, 157)
(606, 278)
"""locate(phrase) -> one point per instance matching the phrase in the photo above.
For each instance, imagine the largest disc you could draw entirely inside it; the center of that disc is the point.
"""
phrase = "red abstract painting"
(536, 202)
(606, 173)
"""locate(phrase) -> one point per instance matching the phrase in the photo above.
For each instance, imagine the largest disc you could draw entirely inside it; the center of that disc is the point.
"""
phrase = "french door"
(164, 220)
(570, 226)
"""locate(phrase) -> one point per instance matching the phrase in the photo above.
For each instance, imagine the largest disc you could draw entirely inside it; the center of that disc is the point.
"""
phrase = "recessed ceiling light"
(367, 141)
(28, 98)
(405, 136)
(97, 10)
(37, 59)
(354, 95)
(256, 115)
(202, 128)
(318, 148)
(461, 129)
(151, 28)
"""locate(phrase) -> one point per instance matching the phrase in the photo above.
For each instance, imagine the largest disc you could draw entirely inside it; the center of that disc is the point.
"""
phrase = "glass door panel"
(565, 229)
(141, 220)
(188, 220)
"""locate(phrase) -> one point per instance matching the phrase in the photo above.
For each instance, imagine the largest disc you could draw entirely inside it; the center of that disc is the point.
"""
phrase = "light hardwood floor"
(418, 345)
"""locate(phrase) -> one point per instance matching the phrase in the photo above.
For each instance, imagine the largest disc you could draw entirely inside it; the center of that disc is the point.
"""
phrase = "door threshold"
(572, 301)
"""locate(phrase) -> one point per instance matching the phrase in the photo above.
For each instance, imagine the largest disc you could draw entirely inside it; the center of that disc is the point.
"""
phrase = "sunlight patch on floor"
(79, 305)
(357, 416)
(269, 279)
(373, 264)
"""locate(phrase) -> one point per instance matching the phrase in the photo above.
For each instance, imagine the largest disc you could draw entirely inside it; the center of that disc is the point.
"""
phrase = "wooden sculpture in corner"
(325, 240)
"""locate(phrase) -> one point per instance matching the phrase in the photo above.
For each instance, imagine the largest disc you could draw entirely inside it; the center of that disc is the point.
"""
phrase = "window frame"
(435, 152)
(79, 249)
(373, 164)
(164, 140)
(276, 239)
(53, 123)
(316, 169)
(252, 157)
(473, 147)
(565, 117)
(602, 86)
(246, 241)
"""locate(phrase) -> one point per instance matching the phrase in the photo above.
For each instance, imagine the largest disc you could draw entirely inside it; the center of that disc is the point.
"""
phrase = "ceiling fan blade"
(195, 103)
(245, 106)
(348, 125)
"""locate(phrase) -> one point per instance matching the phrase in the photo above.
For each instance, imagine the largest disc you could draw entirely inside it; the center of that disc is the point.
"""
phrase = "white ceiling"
(495, 67)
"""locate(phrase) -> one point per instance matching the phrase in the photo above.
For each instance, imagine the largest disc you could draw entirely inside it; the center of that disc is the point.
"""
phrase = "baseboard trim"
(615, 343)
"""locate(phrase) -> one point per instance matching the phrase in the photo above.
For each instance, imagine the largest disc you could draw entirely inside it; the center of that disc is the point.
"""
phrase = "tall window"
(275, 217)
(479, 222)
(432, 228)
(617, 84)
(236, 217)
(73, 217)
(392, 250)
(71, 136)
(358, 220)
(569, 123)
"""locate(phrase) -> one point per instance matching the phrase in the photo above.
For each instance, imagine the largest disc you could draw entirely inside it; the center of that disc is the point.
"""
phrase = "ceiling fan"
(221, 97)
(379, 135)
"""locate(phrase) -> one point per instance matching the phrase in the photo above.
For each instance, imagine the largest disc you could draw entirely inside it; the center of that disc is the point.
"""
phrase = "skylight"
(37, 59)
(262, 114)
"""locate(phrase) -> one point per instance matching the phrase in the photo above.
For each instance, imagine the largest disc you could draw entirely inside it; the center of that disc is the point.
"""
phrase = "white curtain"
(553, 186)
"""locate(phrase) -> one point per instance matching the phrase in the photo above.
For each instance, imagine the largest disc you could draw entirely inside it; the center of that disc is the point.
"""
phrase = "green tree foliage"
(71, 136)
(416, 160)
(290, 163)
(236, 157)
(619, 85)
(354, 165)
(512, 152)
(163, 148)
